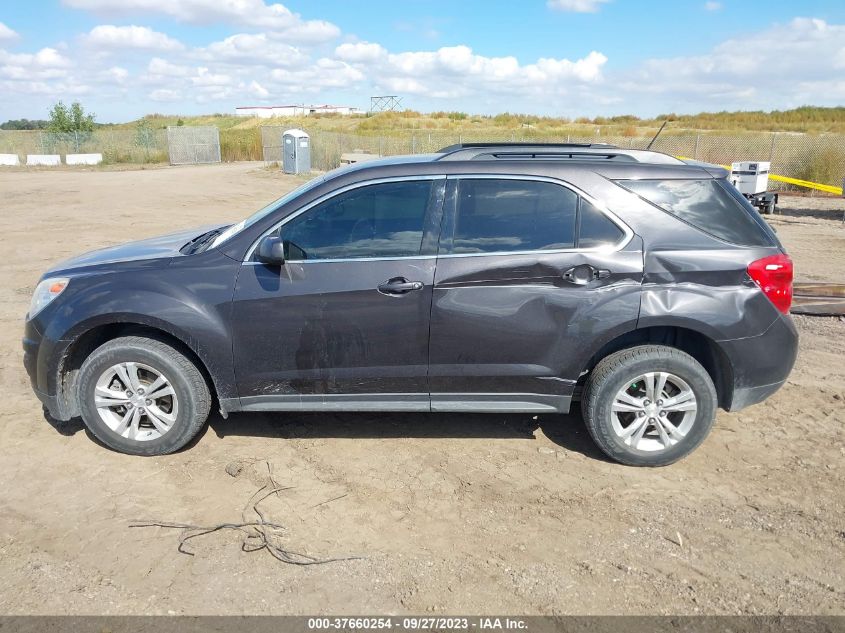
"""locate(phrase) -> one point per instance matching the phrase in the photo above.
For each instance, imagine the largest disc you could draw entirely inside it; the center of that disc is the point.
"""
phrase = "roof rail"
(552, 151)
(459, 146)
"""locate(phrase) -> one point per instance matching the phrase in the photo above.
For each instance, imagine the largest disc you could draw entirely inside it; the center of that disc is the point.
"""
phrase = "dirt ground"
(451, 513)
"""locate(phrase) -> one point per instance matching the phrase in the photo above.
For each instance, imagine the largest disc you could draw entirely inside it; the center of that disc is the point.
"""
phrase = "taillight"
(774, 276)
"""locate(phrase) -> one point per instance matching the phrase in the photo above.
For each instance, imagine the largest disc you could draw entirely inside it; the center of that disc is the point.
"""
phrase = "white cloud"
(165, 94)
(253, 13)
(206, 78)
(576, 6)
(455, 71)
(117, 74)
(124, 67)
(783, 66)
(324, 73)
(163, 68)
(108, 36)
(360, 52)
(7, 34)
(46, 58)
(252, 49)
(712, 6)
(258, 90)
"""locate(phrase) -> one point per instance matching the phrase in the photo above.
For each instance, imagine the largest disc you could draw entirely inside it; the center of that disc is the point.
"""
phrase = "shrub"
(826, 166)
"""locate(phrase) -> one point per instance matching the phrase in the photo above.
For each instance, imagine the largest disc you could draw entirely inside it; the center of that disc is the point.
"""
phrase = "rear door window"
(501, 215)
(495, 215)
(706, 205)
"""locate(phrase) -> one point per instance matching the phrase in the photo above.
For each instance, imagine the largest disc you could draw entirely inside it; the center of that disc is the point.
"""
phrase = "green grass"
(810, 146)
(807, 119)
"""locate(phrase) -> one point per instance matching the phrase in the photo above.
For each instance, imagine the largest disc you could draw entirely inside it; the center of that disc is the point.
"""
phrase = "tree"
(73, 119)
(23, 124)
(145, 136)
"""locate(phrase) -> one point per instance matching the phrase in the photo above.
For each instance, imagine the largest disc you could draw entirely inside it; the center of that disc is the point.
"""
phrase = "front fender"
(190, 300)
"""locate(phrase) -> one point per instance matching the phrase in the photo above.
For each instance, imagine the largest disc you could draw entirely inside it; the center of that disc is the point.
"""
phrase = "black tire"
(613, 372)
(189, 386)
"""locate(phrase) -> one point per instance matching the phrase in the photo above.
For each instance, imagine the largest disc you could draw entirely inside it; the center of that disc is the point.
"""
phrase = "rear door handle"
(399, 286)
(583, 274)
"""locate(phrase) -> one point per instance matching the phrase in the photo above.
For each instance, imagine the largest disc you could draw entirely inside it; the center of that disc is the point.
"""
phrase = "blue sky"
(125, 58)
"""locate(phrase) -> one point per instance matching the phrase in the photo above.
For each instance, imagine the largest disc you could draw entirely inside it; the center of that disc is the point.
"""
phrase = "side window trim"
(450, 210)
(434, 210)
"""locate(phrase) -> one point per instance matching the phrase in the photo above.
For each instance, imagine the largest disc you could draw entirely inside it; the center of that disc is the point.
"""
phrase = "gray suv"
(485, 277)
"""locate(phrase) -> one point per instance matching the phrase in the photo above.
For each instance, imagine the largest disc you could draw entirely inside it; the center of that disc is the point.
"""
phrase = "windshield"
(262, 213)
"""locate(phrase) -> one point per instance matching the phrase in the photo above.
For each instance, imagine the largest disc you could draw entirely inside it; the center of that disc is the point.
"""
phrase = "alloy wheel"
(136, 401)
(654, 411)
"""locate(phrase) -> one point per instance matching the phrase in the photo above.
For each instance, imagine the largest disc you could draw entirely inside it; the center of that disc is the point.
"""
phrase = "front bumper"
(31, 347)
(51, 403)
(37, 368)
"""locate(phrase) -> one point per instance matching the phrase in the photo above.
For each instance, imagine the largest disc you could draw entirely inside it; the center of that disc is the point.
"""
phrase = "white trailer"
(751, 178)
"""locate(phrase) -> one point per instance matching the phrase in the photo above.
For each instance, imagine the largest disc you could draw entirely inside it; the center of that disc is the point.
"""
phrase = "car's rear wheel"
(141, 396)
(649, 405)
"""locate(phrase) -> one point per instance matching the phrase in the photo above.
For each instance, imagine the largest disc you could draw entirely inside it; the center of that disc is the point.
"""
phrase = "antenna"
(658, 134)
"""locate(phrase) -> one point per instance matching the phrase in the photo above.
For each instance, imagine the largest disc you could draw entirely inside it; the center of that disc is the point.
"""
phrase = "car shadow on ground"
(567, 431)
(798, 212)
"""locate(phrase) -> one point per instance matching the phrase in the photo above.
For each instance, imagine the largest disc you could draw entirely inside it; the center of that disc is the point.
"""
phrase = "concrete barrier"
(83, 159)
(9, 160)
(357, 156)
(47, 160)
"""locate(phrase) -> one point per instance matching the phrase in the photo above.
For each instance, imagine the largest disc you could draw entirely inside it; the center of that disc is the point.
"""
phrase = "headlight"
(45, 292)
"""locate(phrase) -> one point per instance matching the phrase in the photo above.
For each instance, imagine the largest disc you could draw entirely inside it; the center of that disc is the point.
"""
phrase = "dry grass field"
(450, 513)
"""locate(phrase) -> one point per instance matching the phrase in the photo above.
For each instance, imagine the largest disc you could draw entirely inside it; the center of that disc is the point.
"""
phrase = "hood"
(165, 246)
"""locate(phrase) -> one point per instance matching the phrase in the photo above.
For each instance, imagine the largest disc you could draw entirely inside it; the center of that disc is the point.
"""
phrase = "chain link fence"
(271, 144)
(815, 158)
(818, 158)
(189, 145)
(143, 145)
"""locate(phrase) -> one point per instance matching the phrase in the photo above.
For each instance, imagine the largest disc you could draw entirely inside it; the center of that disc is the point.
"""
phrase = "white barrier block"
(83, 159)
(48, 160)
(9, 160)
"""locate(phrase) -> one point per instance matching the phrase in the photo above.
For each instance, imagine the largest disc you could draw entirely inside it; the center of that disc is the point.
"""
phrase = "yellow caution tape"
(792, 181)
(807, 184)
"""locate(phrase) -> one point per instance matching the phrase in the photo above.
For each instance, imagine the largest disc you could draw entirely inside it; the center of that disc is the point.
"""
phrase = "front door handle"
(399, 286)
(583, 274)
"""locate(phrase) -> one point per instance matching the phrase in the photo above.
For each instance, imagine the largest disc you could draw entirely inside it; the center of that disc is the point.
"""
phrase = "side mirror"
(271, 250)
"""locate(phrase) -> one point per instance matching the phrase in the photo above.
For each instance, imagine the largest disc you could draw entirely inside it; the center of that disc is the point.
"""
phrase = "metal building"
(296, 152)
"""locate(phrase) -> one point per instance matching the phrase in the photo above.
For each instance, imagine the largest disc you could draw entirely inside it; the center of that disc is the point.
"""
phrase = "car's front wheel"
(649, 405)
(141, 396)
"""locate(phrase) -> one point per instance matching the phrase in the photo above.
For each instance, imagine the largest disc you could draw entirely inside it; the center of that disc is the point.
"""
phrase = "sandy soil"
(451, 513)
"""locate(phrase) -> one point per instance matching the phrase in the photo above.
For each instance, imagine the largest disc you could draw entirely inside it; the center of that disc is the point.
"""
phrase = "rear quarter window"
(705, 204)
(595, 228)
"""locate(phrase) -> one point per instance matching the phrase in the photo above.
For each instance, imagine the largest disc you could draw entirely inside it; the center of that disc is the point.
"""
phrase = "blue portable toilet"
(296, 152)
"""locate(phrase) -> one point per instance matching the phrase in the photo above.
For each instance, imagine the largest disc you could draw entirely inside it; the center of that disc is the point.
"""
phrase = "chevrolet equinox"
(485, 277)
